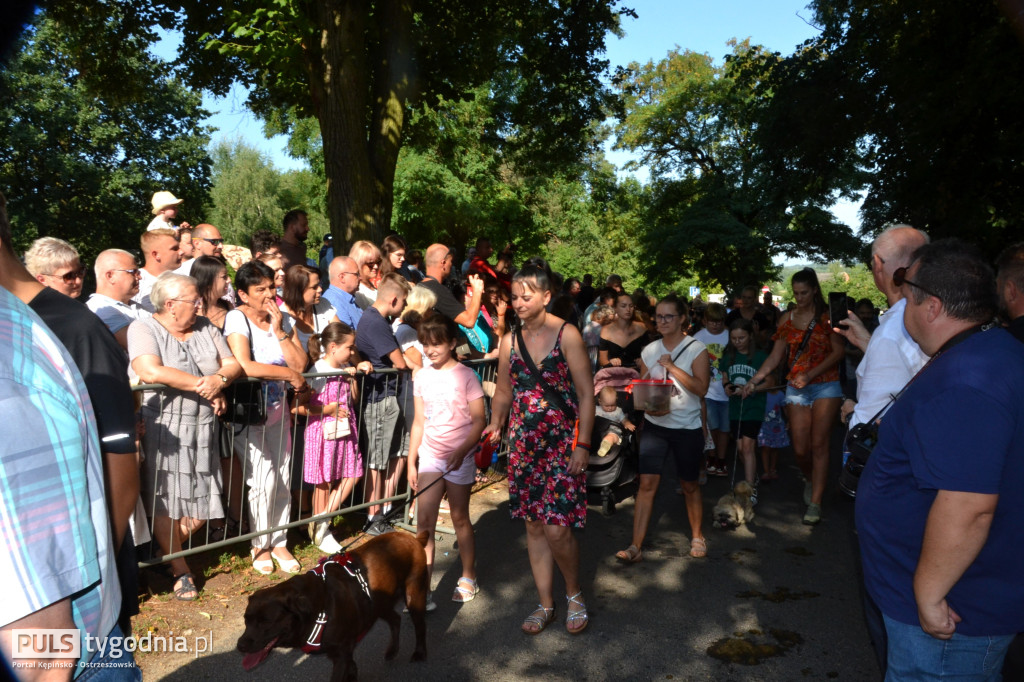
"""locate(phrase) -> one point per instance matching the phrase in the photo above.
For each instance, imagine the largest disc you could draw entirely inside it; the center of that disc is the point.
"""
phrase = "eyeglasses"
(69, 277)
(665, 318)
(354, 274)
(215, 242)
(899, 278)
(134, 272)
(195, 304)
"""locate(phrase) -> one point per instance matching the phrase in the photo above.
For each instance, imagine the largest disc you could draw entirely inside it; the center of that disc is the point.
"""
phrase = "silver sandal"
(580, 614)
(541, 621)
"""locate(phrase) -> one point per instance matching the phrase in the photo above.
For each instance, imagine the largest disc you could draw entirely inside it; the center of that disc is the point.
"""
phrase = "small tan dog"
(734, 509)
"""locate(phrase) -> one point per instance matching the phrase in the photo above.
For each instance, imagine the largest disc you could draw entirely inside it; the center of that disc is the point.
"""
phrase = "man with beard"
(293, 243)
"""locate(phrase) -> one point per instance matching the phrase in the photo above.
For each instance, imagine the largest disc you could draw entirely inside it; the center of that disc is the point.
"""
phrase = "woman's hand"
(501, 308)
(297, 381)
(220, 405)
(846, 410)
(276, 318)
(209, 387)
(666, 361)
(578, 461)
(800, 380)
(614, 362)
(494, 430)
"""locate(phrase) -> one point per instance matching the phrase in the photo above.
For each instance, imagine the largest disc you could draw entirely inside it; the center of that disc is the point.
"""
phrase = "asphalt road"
(776, 584)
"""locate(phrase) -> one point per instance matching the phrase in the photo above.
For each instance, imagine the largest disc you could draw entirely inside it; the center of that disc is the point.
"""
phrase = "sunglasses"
(372, 264)
(899, 278)
(69, 277)
(215, 242)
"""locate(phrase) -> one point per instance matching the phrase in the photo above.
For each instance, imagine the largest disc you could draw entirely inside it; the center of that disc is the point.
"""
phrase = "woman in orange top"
(813, 394)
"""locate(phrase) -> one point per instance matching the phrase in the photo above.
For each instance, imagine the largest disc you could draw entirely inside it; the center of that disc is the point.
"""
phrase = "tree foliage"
(87, 138)
(360, 67)
(719, 210)
(925, 97)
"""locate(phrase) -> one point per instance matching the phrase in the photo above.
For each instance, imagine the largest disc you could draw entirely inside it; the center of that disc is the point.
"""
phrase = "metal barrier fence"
(206, 484)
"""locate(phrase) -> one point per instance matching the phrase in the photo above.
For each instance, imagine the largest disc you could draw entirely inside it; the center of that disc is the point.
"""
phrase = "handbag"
(246, 403)
(336, 429)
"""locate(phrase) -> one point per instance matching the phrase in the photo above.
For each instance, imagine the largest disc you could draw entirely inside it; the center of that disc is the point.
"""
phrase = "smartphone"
(837, 309)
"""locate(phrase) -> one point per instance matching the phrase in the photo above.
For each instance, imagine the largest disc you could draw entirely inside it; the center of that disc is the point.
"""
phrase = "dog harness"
(343, 560)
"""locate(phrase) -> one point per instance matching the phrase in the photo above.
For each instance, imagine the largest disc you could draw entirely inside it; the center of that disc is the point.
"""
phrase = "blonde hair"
(419, 301)
(608, 393)
(363, 251)
(149, 239)
(166, 287)
(48, 254)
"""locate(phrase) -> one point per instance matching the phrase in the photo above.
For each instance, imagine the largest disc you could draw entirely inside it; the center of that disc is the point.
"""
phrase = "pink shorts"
(428, 463)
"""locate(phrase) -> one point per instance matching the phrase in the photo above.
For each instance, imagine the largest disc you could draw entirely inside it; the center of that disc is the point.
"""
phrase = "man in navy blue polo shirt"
(940, 501)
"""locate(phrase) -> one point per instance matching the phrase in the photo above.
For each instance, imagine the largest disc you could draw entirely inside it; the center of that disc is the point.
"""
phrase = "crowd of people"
(360, 385)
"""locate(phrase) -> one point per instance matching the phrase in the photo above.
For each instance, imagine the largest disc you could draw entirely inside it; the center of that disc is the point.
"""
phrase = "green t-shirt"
(739, 371)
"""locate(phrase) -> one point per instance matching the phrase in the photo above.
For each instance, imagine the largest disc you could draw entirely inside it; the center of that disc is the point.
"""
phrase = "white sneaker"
(329, 545)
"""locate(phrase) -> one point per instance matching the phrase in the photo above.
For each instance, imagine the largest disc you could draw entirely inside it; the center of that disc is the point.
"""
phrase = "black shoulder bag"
(553, 396)
(246, 404)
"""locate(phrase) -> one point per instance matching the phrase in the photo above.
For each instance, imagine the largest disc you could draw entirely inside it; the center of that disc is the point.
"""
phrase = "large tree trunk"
(361, 80)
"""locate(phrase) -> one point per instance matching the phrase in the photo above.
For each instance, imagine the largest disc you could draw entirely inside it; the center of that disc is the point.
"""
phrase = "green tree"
(245, 195)
(925, 97)
(717, 210)
(85, 140)
(360, 67)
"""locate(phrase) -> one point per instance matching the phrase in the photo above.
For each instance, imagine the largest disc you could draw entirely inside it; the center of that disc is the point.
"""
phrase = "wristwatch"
(287, 335)
(223, 379)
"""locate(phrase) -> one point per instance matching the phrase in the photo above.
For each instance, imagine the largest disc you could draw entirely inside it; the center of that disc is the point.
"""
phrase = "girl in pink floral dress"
(332, 460)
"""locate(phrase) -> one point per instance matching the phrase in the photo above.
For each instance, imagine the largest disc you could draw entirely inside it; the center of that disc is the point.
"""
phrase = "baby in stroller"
(608, 408)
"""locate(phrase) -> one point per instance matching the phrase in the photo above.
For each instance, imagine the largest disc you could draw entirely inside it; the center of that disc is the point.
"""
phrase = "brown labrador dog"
(339, 607)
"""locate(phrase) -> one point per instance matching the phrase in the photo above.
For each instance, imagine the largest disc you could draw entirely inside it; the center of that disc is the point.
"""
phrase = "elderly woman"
(55, 264)
(304, 311)
(368, 259)
(181, 486)
(256, 336)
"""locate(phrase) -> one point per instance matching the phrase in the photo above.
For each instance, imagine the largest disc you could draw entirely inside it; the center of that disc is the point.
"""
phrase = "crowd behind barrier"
(236, 527)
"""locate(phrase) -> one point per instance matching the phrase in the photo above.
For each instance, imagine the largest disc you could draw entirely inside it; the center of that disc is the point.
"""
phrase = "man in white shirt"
(117, 280)
(891, 357)
(161, 250)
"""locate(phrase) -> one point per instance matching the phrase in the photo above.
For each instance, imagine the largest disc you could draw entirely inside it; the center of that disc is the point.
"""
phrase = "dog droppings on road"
(780, 595)
(751, 649)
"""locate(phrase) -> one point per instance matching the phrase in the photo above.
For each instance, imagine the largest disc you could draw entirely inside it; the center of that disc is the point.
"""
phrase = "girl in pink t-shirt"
(449, 420)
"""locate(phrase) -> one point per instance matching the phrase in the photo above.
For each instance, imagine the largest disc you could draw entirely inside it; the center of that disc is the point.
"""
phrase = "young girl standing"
(449, 419)
(740, 361)
(332, 461)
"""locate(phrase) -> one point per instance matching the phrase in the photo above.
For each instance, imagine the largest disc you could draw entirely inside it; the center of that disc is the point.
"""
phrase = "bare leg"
(823, 413)
(168, 535)
(340, 493)
(426, 513)
(746, 446)
(694, 507)
(566, 552)
(542, 563)
(376, 489)
(458, 499)
(642, 508)
(396, 467)
(800, 434)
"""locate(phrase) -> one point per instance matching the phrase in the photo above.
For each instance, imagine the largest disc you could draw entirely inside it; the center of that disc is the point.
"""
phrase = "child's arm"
(456, 456)
(628, 424)
(415, 438)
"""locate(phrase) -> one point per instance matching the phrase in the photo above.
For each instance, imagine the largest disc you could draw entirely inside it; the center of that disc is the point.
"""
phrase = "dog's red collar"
(343, 560)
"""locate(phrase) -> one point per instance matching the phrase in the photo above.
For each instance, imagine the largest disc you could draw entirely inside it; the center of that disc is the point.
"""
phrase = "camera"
(860, 441)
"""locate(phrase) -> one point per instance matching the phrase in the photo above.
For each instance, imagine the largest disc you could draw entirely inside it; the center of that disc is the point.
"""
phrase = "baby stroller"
(611, 476)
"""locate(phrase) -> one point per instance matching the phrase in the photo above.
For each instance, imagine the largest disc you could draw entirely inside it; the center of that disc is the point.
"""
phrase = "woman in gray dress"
(181, 485)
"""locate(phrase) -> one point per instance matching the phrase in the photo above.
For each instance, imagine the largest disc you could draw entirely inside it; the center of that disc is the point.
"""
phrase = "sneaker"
(813, 515)
(329, 545)
(378, 526)
(720, 471)
(807, 492)
(753, 496)
(712, 470)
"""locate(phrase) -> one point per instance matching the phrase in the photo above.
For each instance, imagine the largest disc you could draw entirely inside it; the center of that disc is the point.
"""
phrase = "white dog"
(734, 508)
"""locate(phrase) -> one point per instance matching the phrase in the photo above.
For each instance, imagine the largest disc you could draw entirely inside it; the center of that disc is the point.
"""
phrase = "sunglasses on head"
(899, 278)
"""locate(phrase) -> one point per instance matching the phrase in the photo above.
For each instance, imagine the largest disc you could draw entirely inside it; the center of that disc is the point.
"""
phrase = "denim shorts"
(917, 656)
(718, 414)
(808, 394)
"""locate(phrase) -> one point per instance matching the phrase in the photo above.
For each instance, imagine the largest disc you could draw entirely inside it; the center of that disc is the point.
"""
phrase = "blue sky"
(661, 25)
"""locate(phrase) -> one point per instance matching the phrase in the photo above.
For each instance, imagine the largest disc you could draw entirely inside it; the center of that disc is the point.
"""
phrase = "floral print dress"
(540, 439)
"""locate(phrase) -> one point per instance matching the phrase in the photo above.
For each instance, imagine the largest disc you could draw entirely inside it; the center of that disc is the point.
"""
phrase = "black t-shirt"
(1017, 328)
(446, 304)
(101, 361)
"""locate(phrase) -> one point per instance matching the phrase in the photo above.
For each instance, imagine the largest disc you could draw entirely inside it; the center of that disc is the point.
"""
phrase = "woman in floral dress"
(547, 475)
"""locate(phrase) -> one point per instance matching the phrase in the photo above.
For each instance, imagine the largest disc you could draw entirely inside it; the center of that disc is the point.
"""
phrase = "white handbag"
(336, 429)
